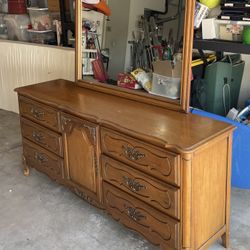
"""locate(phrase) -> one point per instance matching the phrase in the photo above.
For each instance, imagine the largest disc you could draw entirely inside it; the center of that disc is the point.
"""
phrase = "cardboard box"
(166, 68)
(167, 79)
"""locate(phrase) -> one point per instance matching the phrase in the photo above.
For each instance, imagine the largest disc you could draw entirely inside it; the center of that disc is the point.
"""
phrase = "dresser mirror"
(137, 49)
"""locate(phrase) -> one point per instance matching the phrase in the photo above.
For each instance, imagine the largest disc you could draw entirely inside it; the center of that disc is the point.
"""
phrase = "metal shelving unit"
(221, 46)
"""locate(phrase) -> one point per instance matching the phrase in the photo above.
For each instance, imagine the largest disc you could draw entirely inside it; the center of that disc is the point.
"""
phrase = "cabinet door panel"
(80, 150)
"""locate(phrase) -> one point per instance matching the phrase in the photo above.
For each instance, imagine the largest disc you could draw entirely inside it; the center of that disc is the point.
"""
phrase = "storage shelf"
(221, 46)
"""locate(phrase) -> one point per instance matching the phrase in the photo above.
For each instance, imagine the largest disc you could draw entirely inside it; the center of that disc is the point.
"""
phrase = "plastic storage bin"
(231, 31)
(37, 3)
(17, 7)
(17, 26)
(44, 37)
(166, 86)
(4, 6)
(40, 19)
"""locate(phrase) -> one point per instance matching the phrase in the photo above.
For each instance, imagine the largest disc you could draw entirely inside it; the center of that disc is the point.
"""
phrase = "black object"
(235, 16)
(235, 10)
(221, 46)
(67, 24)
(235, 3)
(198, 93)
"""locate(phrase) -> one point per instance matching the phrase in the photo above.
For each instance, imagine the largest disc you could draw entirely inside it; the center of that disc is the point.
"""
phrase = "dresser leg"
(26, 169)
(226, 240)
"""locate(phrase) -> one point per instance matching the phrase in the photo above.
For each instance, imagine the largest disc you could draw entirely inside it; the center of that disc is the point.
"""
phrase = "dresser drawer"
(152, 224)
(156, 162)
(42, 136)
(159, 195)
(39, 113)
(42, 160)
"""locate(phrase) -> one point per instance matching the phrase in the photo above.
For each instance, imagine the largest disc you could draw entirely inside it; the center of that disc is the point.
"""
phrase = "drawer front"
(42, 136)
(43, 160)
(156, 162)
(39, 113)
(156, 227)
(161, 196)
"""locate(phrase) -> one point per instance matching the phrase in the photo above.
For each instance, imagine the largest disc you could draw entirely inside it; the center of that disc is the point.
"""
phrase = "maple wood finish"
(42, 160)
(37, 112)
(81, 155)
(42, 136)
(159, 228)
(161, 173)
(158, 194)
(161, 164)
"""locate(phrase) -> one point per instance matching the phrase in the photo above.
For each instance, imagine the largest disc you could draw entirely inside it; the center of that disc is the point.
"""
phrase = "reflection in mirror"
(135, 44)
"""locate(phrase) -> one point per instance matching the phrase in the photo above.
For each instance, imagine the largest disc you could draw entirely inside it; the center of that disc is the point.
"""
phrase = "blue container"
(241, 150)
(247, 103)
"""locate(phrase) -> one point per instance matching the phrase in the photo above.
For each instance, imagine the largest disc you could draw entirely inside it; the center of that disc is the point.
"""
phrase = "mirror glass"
(134, 44)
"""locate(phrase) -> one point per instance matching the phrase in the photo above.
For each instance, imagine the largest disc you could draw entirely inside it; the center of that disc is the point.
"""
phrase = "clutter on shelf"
(242, 116)
(40, 19)
(153, 49)
(223, 19)
(220, 26)
(217, 82)
(30, 21)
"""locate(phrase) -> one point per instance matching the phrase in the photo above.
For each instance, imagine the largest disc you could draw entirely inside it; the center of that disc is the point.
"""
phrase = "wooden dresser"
(161, 173)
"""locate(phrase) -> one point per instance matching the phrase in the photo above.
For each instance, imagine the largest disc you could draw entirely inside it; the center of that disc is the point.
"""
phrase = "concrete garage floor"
(38, 214)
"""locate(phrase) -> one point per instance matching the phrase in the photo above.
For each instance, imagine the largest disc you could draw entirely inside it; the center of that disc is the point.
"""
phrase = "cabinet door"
(80, 155)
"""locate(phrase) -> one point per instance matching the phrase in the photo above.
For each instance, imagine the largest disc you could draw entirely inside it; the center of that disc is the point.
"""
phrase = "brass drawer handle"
(38, 137)
(133, 185)
(133, 213)
(37, 113)
(132, 153)
(41, 158)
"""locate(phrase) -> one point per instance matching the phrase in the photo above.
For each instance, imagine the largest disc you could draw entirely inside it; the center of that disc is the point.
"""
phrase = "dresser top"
(161, 127)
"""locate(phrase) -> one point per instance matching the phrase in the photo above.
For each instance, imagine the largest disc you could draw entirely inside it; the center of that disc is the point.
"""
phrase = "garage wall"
(245, 86)
(23, 64)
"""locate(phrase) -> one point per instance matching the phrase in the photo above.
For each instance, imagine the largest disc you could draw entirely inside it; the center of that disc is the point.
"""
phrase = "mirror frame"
(181, 104)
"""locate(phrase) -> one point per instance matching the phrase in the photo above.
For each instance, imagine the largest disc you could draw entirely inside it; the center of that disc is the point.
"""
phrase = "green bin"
(223, 82)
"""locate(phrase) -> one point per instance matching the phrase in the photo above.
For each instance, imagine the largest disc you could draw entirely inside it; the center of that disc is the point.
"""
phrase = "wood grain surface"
(161, 127)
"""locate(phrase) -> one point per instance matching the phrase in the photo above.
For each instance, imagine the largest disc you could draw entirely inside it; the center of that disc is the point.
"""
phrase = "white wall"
(136, 10)
(123, 21)
(23, 64)
(116, 35)
(245, 85)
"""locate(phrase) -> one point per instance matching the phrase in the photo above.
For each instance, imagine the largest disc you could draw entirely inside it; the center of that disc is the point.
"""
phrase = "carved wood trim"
(86, 197)
(69, 123)
(156, 227)
(159, 195)
(39, 113)
(183, 105)
(52, 166)
(162, 164)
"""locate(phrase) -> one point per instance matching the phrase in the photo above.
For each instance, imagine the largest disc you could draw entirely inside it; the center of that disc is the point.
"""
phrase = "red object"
(99, 71)
(127, 81)
(17, 7)
(101, 7)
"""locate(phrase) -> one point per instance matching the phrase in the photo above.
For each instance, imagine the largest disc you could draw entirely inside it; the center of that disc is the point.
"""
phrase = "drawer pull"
(133, 185)
(41, 158)
(132, 153)
(134, 214)
(36, 113)
(38, 137)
